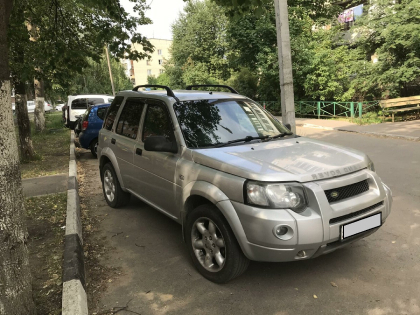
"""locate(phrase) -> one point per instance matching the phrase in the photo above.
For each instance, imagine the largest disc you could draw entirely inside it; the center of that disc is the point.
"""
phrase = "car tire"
(113, 193)
(213, 247)
(94, 148)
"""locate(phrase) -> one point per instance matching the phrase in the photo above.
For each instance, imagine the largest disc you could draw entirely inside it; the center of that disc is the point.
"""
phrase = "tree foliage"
(65, 36)
(328, 63)
(390, 32)
(95, 78)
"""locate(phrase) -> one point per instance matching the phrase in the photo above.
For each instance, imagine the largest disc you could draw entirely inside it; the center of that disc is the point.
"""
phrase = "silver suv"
(242, 186)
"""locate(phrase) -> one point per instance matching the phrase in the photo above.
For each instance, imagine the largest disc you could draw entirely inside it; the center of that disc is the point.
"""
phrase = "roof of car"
(184, 95)
(101, 105)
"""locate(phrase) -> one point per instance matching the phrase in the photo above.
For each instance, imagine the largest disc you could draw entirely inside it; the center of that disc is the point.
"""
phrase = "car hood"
(296, 159)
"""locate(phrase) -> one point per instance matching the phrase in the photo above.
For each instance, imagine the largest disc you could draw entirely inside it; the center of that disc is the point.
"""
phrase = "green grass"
(51, 147)
(45, 217)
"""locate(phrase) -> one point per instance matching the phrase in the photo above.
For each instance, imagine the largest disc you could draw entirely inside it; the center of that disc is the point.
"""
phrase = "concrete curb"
(376, 134)
(380, 134)
(74, 300)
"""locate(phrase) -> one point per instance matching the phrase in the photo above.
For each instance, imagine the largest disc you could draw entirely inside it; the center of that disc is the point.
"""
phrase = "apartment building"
(140, 70)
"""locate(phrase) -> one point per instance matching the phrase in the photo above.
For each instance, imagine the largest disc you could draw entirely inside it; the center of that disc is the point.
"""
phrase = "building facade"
(140, 70)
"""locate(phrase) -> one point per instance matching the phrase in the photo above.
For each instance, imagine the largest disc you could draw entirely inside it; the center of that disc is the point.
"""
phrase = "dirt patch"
(46, 218)
(96, 247)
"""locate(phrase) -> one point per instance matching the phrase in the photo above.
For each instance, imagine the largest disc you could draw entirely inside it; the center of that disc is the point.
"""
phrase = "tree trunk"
(27, 152)
(15, 277)
(39, 113)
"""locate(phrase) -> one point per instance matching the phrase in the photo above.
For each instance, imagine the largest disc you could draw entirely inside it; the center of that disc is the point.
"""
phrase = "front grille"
(340, 193)
(355, 214)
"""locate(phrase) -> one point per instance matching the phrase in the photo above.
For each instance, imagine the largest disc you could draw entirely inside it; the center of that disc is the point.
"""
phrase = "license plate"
(361, 225)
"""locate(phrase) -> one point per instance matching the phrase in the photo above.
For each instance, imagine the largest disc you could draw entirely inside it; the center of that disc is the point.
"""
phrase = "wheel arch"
(107, 156)
(200, 192)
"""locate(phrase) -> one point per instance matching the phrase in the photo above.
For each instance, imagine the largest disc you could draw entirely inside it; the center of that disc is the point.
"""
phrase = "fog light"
(301, 254)
(283, 232)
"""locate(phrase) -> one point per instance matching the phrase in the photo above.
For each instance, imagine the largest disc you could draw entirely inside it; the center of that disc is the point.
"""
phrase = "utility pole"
(285, 64)
(109, 68)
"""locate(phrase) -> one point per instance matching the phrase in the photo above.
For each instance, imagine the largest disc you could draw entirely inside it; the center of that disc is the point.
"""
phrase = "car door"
(155, 178)
(124, 138)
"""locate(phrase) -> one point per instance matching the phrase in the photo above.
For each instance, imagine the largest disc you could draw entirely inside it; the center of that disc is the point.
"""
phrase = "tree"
(15, 279)
(67, 33)
(95, 78)
(390, 32)
(199, 49)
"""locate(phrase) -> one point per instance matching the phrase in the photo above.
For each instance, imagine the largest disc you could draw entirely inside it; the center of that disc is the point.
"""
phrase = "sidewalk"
(409, 130)
(44, 185)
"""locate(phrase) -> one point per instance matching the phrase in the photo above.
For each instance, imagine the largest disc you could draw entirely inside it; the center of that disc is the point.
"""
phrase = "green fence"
(326, 109)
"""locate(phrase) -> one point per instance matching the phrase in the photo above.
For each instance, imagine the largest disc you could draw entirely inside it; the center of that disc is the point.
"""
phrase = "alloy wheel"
(208, 244)
(109, 185)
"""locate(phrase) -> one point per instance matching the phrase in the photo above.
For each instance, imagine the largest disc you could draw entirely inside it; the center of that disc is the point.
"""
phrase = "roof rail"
(231, 89)
(167, 88)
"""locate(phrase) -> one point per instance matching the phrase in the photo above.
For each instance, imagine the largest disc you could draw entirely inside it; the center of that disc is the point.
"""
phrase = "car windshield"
(206, 123)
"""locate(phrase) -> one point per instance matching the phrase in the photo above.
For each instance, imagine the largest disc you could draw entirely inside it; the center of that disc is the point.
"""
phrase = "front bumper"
(312, 231)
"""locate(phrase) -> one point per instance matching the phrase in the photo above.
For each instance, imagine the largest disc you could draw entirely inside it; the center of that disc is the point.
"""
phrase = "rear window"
(112, 112)
(102, 112)
(84, 103)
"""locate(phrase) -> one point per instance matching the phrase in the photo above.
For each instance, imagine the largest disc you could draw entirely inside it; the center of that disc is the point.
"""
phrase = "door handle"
(113, 141)
(139, 151)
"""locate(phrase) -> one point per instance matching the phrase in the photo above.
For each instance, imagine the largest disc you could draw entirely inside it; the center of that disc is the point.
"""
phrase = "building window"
(161, 71)
(148, 62)
(149, 72)
(160, 61)
(159, 51)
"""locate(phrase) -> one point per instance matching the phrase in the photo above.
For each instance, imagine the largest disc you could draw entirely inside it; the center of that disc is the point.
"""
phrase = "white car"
(31, 106)
(78, 104)
(59, 106)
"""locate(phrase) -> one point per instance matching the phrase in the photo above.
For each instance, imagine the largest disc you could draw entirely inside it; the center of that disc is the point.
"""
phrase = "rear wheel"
(94, 148)
(113, 193)
(212, 245)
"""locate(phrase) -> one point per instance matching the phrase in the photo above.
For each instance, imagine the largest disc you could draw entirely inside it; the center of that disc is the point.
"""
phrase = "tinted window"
(112, 112)
(128, 123)
(101, 112)
(157, 122)
(83, 103)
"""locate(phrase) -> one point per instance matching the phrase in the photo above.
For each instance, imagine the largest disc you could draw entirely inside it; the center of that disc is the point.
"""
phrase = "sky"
(162, 12)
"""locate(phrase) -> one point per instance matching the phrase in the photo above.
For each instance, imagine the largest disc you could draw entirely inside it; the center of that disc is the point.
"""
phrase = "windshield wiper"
(246, 139)
(280, 135)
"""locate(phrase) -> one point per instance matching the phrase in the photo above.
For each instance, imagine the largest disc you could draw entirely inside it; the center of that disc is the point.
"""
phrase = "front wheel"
(212, 245)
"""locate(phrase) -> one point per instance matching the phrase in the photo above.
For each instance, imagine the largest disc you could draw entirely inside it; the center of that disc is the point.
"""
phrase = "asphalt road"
(376, 276)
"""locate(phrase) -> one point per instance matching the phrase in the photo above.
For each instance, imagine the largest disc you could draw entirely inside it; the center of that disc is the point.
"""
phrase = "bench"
(402, 104)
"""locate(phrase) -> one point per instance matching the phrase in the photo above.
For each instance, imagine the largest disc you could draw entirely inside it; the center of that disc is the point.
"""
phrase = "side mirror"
(160, 144)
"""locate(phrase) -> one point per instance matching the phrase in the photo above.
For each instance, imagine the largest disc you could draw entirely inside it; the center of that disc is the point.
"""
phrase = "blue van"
(91, 124)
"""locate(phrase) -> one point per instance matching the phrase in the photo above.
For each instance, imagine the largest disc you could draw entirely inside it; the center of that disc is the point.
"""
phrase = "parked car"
(78, 104)
(91, 124)
(241, 184)
(59, 106)
(31, 106)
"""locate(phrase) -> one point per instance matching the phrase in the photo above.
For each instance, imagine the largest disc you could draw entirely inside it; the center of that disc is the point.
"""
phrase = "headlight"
(371, 166)
(279, 196)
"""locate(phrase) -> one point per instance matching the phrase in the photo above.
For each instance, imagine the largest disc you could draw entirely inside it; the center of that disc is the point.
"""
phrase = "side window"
(128, 123)
(101, 112)
(112, 112)
(84, 103)
(157, 122)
